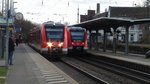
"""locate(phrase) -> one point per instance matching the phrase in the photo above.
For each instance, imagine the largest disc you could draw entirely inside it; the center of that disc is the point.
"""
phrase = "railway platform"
(29, 67)
(134, 58)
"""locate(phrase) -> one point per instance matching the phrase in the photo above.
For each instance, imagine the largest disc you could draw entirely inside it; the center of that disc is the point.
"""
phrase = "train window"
(55, 33)
(77, 35)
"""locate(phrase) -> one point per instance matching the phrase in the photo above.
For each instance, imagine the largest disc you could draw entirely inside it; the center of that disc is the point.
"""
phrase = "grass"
(2, 81)
(3, 73)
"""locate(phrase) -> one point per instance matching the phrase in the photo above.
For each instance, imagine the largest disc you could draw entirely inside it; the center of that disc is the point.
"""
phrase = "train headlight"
(49, 44)
(72, 43)
(60, 44)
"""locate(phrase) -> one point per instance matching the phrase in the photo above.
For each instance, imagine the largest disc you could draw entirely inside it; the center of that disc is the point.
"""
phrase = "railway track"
(141, 76)
(135, 74)
(101, 81)
(99, 74)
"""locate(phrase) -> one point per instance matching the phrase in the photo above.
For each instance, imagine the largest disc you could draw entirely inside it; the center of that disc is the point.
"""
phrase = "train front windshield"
(55, 33)
(77, 35)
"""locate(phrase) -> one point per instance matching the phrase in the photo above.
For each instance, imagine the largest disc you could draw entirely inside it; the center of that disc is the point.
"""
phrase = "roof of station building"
(110, 22)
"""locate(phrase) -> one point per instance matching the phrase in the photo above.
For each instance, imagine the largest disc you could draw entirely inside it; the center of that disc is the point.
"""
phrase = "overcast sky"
(40, 11)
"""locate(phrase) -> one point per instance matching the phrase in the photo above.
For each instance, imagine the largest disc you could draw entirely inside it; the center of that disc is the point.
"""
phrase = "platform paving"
(29, 67)
(135, 58)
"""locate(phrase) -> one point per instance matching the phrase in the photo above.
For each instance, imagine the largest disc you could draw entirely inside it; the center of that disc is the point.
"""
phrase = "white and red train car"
(57, 40)
(77, 39)
(50, 39)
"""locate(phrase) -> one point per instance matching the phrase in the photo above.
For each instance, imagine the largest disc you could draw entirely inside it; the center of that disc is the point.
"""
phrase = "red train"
(77, 41)
(57, 39)
(50, 39)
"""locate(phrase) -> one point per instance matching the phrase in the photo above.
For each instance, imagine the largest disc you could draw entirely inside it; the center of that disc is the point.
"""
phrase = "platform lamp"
(7, 32)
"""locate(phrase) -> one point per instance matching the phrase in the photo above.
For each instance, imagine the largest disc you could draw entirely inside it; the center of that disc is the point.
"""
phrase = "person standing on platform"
(11, 49)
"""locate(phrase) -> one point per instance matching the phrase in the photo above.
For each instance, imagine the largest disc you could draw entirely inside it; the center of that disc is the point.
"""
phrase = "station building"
(136, 32)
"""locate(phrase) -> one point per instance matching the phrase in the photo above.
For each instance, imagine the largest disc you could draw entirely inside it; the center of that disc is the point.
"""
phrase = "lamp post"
(7, 33)
(12, 8)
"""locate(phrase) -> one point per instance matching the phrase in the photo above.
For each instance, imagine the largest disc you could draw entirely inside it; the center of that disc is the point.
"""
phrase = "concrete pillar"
(104, 41)
(90, 40)
(126, 40)
(114, 40)
(96, 47)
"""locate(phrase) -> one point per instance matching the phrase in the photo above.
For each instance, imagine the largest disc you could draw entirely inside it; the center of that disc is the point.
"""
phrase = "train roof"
(51, 23)
(76, 28)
